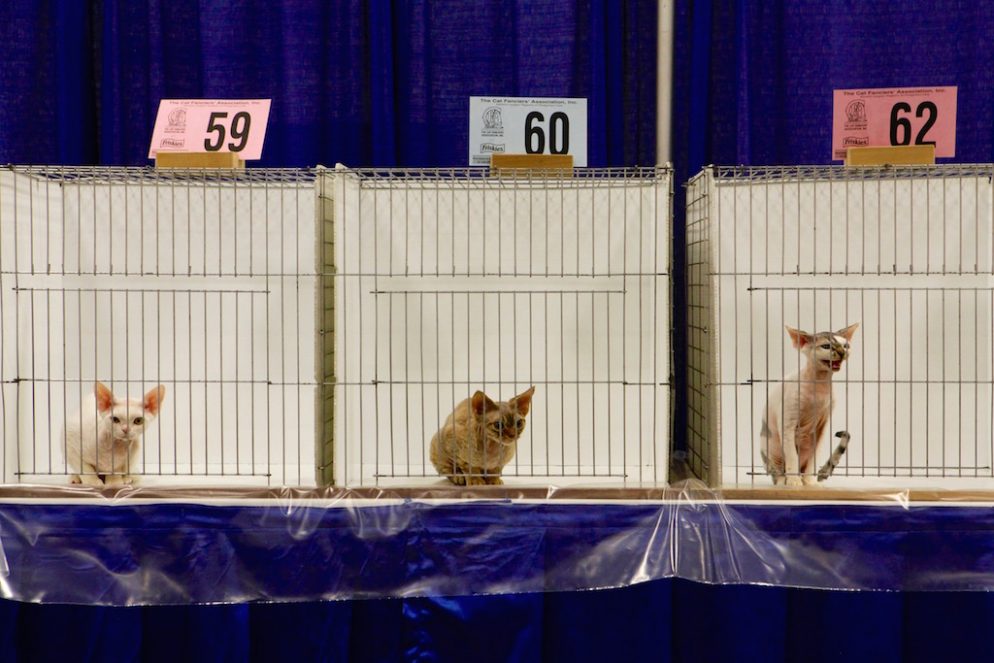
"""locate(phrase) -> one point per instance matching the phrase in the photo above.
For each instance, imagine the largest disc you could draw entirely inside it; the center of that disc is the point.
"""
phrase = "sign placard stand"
(198, 160)
(903, 155)
(531, 165)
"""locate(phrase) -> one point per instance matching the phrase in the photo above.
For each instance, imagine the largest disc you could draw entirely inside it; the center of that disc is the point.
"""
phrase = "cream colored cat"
(798, 410)
(479, 438)
(103, 438)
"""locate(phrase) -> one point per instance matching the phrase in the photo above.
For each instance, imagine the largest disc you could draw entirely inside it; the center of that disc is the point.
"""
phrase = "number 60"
(558, 128)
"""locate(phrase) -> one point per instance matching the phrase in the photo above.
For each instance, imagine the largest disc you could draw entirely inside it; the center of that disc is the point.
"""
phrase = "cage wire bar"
(904, 251)
(207, 282)
(449, 281)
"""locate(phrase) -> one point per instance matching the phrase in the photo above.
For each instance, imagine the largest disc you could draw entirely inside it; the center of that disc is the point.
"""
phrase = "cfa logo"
(492, 119)
(856, 111)
(177, 119)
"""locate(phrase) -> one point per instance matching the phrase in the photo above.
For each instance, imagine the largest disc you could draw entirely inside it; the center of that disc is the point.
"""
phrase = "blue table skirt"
(148, 554)
(664, 620)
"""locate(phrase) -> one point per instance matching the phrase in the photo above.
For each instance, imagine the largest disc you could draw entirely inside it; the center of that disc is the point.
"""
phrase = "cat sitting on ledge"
(103, 438)
(798, 410)
(479, 438)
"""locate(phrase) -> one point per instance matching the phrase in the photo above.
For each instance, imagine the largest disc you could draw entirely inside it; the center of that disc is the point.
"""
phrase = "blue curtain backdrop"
(661, 621)
(380, 83)
(365, 83)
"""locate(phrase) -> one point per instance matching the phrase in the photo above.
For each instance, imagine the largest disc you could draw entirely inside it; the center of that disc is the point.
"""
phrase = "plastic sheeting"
(123, 549)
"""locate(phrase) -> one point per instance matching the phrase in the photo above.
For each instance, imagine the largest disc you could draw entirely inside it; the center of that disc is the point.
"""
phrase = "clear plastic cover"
(139, 546)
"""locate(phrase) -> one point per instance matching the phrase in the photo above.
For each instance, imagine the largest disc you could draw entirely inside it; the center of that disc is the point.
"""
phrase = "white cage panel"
(449, 282)
(203, 283)
(907, 254)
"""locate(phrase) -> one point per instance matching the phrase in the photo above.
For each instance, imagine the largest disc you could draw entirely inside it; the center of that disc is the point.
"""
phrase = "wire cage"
(204, 282)
(449, 281)
(905, 253)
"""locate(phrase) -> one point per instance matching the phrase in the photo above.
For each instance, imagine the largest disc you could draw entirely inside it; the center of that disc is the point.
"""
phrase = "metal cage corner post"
(453, 280)
(207, 282)
(906, 252)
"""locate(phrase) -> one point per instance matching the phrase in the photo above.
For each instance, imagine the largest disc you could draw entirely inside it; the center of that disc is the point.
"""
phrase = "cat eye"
(826, 346)
(117, 420)
(138, 421)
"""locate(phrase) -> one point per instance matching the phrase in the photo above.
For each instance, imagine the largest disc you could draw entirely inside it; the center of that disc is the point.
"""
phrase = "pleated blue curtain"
(366, 83)
(666, 621)
(753, 80)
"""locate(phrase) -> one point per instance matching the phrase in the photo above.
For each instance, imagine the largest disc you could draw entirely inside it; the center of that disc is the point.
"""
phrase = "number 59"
(239, 130)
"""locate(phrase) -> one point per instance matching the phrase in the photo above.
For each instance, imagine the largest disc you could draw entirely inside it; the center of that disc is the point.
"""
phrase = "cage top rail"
(478, 172)
(840, 172)
(151, 175)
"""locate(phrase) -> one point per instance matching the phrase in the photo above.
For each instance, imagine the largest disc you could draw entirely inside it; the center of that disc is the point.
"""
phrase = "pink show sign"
(878, 117)
(211, 125)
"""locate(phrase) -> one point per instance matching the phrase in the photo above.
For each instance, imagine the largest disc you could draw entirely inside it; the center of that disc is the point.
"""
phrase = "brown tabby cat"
(479, 438)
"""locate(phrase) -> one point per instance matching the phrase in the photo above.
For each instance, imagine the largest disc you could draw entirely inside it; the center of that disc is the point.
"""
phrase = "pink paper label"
(211, 125)
(877, 117)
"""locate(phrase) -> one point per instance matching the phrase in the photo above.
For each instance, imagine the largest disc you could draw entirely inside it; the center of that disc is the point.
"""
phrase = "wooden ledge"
(683, 492)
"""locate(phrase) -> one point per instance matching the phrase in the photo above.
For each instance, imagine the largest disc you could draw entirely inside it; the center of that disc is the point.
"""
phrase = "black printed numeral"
(239, 131)
(535, 133)
(900, 126)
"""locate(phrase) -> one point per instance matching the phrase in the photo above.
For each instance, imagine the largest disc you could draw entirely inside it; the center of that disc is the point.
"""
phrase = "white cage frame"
(907, 252)
(425, 254)
(207, 281)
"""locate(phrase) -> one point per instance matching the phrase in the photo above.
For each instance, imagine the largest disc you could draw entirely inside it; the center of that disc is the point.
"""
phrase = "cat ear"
(481, 403)
(848, 332)
(105, 399)
(154, 398)
(799, 338)
(522, 402)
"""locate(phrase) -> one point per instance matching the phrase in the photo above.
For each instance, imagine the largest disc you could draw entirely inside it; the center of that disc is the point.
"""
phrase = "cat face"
(825, 350)
(128, 418)
(502, 421)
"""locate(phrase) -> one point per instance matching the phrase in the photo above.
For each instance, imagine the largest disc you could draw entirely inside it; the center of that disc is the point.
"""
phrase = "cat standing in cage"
(479, 438)
(103, 438)
(798, 410)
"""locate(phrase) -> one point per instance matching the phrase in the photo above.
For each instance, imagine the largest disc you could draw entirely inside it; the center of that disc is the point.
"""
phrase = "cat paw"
(476, 481)
(129, 480)
(91, 480)
(115, 480)
(778, 480)
(810, 480)
(493, 480)
(74, 480)
(794, 481)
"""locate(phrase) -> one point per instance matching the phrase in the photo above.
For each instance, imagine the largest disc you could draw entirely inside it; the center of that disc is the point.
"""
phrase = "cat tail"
(833, 461)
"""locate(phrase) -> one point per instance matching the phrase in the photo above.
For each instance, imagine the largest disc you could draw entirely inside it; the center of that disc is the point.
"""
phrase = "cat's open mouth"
(835, 365)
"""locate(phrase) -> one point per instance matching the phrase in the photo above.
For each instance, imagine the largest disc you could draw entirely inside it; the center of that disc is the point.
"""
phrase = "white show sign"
(527, 125)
